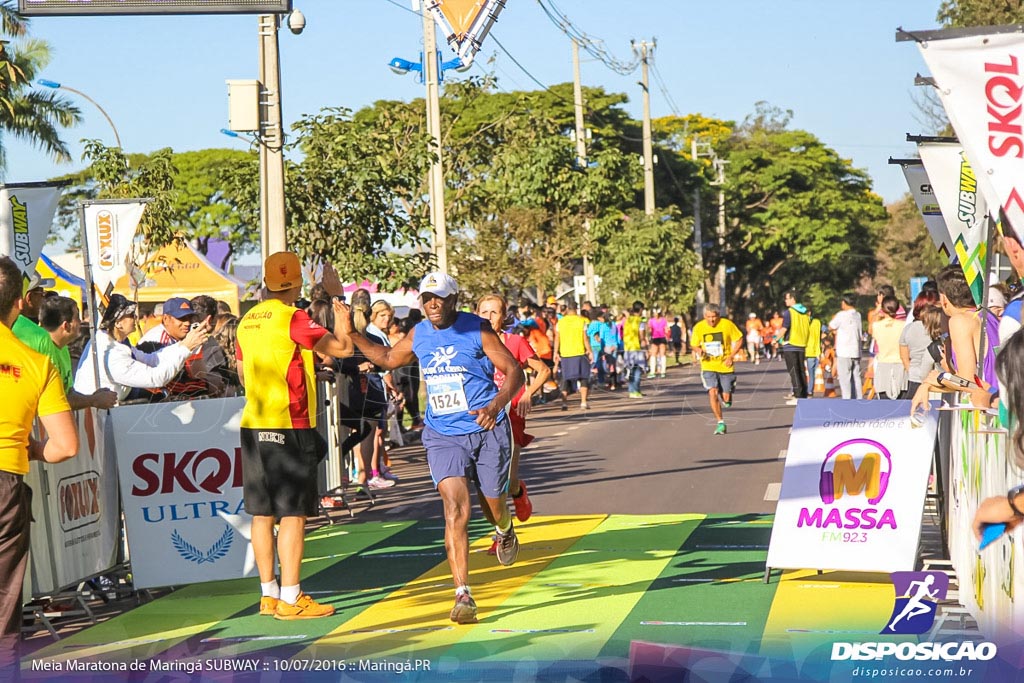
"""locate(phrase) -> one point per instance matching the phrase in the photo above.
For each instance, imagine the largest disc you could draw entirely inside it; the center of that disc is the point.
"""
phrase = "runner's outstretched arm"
(382, 356)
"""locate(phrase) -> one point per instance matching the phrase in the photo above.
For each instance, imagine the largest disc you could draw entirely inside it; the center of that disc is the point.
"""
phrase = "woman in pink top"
(657, 327)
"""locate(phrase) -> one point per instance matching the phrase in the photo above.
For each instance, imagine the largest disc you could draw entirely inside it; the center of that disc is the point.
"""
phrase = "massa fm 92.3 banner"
(853, 488)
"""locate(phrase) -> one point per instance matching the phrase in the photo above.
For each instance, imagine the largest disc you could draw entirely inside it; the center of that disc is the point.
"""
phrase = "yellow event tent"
(175, 271)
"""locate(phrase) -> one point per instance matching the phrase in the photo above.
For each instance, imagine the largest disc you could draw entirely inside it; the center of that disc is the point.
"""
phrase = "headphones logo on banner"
(917, 594)
(857, 467)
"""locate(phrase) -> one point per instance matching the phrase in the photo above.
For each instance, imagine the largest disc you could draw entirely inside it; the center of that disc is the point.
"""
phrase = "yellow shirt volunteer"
(274, 348)
(715, 344)
(571, 329)
(30, 386)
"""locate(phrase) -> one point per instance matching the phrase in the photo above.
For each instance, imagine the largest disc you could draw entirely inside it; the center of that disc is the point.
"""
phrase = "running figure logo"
(917, 594)
(443, 356)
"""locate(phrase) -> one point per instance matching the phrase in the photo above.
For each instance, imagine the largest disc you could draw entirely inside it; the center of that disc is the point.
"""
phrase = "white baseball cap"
(439, 284)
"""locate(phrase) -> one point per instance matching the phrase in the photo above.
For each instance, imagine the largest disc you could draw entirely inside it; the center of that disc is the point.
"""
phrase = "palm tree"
(32, 115)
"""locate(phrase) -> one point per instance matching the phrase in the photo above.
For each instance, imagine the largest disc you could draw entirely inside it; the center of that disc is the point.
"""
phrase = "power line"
(664, 89)
(590, 112)
(595, 47)
(402, 7)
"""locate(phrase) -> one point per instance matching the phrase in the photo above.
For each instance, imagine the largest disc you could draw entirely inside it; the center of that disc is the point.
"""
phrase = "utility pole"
(272, 214)
(645, 50)
(698, 244)
(581, 164)
(435, 181)
(720, 275)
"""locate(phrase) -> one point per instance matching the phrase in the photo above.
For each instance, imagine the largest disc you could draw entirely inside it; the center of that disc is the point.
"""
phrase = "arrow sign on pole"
(466, 23)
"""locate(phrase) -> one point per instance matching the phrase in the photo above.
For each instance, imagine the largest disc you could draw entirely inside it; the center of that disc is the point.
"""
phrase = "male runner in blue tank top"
(467, 434)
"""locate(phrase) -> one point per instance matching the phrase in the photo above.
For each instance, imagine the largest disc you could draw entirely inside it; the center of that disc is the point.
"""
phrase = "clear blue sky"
(835, 63)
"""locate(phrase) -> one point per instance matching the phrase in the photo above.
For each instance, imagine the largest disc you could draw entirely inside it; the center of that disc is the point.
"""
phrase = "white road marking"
(773, 491)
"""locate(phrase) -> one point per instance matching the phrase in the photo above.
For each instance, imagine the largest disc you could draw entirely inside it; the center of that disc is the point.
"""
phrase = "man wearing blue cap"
(467, 434)
(175, 323)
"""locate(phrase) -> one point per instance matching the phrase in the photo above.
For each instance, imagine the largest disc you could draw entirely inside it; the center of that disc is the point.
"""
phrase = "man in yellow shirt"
(30, 386)
(573, 354)
(716, 341)
(281, 448)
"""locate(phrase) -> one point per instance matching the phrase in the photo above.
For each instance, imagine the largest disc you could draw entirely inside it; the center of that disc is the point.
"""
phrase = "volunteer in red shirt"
(280, 445)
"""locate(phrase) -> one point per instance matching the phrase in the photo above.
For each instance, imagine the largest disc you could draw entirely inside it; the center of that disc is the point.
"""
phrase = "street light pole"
(435, 181)
(645, 50)
(56, 85)
(272, 208)
(581, 162)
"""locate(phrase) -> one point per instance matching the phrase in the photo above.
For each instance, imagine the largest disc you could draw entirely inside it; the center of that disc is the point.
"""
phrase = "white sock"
(290, 593)
(505, 530)
(463, 589)
(654, 364)
(661, 365)
(271, 589)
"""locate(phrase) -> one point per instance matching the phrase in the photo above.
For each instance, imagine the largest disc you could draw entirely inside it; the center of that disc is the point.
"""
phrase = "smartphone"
(990, 532)
(954, 379)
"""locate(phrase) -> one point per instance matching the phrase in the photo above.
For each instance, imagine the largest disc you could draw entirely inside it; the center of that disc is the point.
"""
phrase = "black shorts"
(279, 470)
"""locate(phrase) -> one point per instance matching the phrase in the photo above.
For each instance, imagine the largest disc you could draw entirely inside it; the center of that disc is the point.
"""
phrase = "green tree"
(152, 179)
(960, 13)
(27, 114)
(799, 215)
(905, 249)
(648, 258)
(352, 199)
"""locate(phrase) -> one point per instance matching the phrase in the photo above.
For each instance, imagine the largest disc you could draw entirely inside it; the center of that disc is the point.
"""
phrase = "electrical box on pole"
(244, 106)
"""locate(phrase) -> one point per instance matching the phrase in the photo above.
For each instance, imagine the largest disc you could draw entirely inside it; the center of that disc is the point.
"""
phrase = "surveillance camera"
(296, 21)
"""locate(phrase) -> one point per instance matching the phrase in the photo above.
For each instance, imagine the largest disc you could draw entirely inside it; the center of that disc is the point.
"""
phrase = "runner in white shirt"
(848, 326)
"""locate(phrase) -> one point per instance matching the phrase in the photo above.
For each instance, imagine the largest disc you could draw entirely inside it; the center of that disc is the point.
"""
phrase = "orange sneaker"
(524, 508)
(304, 608)
(268, 606)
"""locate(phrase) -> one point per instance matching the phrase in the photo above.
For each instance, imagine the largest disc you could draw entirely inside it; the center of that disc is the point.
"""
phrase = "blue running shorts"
(483, 457)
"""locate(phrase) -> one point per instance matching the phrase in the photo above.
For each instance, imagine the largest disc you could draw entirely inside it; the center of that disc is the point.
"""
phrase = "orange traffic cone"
(819, 381)
(830, 383)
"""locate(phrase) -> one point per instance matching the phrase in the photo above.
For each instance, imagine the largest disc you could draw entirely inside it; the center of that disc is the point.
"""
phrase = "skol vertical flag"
(921, 189)
(963, 206)
(980, 81)
(109, 230)
(26, 215)
(466, 22)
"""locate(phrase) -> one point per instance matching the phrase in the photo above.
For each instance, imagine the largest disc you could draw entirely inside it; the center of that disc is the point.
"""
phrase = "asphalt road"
(636, 456)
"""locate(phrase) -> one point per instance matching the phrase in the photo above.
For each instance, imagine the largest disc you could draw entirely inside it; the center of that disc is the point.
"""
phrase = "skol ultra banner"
(466, 22)
(110, 230)
(853, 487)
(179, 466)
(26, 214)
(980, 81)
(963, 207)
(921, 188)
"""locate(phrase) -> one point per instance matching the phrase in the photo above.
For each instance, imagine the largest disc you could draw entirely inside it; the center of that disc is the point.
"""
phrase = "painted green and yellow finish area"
(583, 589)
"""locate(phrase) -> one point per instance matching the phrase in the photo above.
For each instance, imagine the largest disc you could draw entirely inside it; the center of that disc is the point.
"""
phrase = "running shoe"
(508, 546)
(635, 394)
(464, 611)
(386, 473)
(720, 429)
(304, 608)
(727, 404)
(524, 508)
(565, 406)
(585, 406)
(650, 375)
(662, 375)
(268, 606)
(791, 402)
(379, 482)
